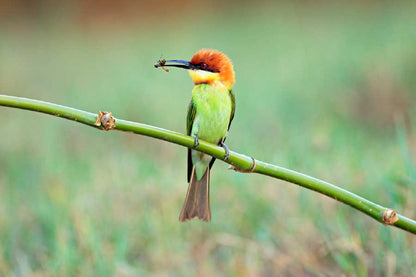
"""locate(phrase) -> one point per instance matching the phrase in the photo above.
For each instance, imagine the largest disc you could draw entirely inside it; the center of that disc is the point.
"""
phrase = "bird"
(209, 118)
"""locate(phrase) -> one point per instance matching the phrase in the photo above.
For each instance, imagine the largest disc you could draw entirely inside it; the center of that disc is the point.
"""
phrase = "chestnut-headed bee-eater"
(209, 118)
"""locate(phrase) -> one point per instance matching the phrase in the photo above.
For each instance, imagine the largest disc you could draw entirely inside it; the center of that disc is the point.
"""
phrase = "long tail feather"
(197, 198)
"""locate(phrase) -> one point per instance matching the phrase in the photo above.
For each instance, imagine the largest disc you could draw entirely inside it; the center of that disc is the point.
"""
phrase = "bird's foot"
(227, 151)
(196, 140)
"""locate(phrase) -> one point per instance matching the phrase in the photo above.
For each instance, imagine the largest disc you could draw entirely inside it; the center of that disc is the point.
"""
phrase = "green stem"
(239, 161)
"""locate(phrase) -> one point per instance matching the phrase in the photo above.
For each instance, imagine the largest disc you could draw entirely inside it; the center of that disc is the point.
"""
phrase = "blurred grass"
(77, 202)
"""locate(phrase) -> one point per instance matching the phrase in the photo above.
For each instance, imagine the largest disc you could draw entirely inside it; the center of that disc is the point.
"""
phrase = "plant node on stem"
(105, 120)
(389, 217)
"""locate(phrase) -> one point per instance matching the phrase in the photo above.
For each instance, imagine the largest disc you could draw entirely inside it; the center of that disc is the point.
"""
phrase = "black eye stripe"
(202, 66)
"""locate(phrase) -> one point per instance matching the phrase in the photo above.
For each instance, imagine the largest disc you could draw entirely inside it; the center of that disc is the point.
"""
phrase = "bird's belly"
(211, 122)
(211, 129)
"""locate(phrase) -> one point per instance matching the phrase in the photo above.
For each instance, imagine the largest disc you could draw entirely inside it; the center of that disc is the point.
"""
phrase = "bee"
(161, 64)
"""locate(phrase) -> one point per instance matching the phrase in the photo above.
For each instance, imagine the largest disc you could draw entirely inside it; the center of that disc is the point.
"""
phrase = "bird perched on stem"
(209, 118)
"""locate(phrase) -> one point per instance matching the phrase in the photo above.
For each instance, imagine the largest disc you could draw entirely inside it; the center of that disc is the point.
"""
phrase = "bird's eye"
(204, 66)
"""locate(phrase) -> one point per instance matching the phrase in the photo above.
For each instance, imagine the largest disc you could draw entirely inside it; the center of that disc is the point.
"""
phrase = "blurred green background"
(324, 88)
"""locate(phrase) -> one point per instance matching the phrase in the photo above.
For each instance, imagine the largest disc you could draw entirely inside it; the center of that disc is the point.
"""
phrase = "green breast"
(213, 111)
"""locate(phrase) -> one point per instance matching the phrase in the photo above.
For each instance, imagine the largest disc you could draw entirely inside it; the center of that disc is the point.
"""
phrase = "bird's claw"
(196, 143)
(227, 151)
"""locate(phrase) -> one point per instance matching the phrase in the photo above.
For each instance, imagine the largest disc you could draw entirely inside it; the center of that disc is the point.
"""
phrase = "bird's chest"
(213, 111)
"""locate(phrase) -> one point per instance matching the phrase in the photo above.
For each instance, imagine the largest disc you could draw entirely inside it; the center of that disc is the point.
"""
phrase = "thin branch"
(238, 161)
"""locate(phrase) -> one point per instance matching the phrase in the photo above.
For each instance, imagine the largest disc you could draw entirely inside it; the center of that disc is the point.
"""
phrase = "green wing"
(232, 95)
(189, 122)
(190, 117)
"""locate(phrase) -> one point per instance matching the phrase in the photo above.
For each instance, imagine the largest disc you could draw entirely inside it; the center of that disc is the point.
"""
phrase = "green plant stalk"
(240, 162)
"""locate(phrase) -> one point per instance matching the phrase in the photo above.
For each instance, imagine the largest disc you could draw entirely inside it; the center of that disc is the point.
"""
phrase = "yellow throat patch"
(201, 76)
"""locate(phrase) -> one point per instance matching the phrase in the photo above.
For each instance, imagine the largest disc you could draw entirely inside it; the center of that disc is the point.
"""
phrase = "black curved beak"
(174, 63)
